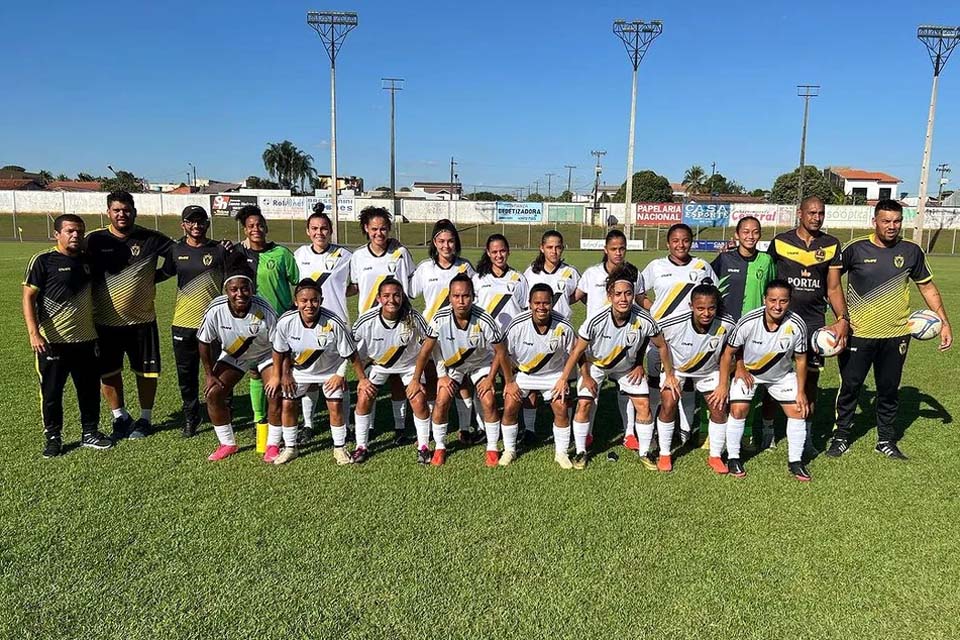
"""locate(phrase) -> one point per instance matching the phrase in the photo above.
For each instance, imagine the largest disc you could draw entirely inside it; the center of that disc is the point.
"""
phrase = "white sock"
(479, 418)
(120, 413)
(580, 431)
(717, 432)
(735, 428)
(796, 434)
(274, 435)
(493, 435)
(510, 432)
(688, 402)
(224, 434)
(665, 436)
(346, 407)
(308, 402)
(363, 430)
(464, 412)
(146, 414)
(530, 420)
(339, 435)
(561, 439)
(440, 434)
(423, 431)
(290, 437)
(644, 436)
(399, 414)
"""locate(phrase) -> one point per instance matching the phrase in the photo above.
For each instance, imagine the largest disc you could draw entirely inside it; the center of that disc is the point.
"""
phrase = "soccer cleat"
(341, 456)
(304, 435)
(439, 458)
(631, 442)
(890, 449)
(563, 460)
(270, 455)
(506, 458)
(717, 465)
(400, 438)
(687, 436)
(222, 452)
(838, 446)
(95, 440)
(360, 455)
(423, 456)
(529, 438)
(664, 464)
(121, 427)
(288, 454)
(479, 436)
(799, 471)
(492, 458)
(52, 447)
(612, 456)
(141, 429)
(648, 462)
(768, 439)
(735, 468)
(809, 451)
(580, 460)
(190, 428)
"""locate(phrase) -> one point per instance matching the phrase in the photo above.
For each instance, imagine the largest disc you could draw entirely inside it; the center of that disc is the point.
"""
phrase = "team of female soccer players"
(492, 322)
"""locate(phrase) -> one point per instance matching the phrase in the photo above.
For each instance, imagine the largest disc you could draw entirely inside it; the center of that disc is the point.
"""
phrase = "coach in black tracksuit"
(878, 270)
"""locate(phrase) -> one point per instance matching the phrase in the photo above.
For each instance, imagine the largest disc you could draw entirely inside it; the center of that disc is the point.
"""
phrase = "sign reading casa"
(706, 214)
(652, 214)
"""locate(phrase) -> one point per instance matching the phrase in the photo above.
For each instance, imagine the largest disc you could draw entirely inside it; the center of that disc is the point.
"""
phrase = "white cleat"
(341, 456)
(507, 457)
(563, 460)
(286, 455)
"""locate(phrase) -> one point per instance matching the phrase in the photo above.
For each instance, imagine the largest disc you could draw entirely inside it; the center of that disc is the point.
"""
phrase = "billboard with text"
(519, 212)
(653, 214)
(706, 214)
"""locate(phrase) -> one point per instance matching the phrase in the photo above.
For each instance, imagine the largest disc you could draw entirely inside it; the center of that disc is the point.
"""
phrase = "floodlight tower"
(940, 42)
(636, 37)
(805, 91)
(393, 85)
(597, 170)
(333, 27)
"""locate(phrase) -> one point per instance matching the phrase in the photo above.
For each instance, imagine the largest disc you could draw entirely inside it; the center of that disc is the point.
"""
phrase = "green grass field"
(149, 540)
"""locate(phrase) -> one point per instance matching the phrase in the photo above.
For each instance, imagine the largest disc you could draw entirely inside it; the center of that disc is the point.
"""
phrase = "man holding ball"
(878, 269)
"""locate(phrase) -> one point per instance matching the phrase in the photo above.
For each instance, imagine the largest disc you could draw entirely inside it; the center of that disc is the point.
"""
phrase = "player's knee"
(739, 410)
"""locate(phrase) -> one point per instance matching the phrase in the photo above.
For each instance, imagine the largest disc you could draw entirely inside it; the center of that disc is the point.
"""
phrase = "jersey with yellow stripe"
(696, 354)
(672, 283)
(593, 282)
(432, 281)
(392, 345)
(503, 297)
(464, 349)
(768, 355)
(330, 269)
(618, 347)
(315, 351)
(246, 339)
(368, 270)
(563, 281)
(540, 354)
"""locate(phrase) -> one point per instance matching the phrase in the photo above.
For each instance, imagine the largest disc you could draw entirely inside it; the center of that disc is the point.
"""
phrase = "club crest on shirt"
(329, 263)
(713, 343)
(323, 339)
(475, 336)
(553, 343)
(135, 250)
(695, 275)
(207, 260)
(898, 262)
(511, 286)
(820, 255)
(784, 342)
(903, 347)
(632, 337)
(86, 269)
(392, 266)
(404, 335)
(254, 326)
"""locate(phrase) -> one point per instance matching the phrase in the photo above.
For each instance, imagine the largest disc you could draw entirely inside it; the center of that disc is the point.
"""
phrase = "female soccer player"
(311, 348)
(388, 340)
(549, 268)
(501, 290)
(242, 324)
(613, 344)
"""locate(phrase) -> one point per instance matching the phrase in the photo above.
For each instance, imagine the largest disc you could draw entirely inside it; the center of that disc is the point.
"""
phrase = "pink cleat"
(271, 453)
(223, 451)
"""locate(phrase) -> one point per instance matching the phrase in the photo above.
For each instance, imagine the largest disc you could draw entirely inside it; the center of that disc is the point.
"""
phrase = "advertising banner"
(774, 215)
(283, 206)
(653, 214)
(706, 214)
(228, 204)
(519, 212)
(565, 212)
(848, 216)
(710, 246)
(346, 205)
(598, 243)
(939, 218)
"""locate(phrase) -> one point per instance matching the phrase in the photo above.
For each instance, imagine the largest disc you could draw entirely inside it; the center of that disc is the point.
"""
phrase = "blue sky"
(513, 90)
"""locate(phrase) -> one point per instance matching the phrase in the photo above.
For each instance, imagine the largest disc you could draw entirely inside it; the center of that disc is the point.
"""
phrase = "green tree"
(758, 193)
(256, 182)
(45, 176)
(693, 180)
(814, 184)
(648, 186)
(604, 197)
(86, 177)
(484, 196)
(123, 181)
(566, 196)
(535, 197)
(287, 164)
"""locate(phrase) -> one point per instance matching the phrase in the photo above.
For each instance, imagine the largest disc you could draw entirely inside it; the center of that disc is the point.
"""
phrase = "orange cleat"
(631, 442)
(222, 452)
(717, 465)
(493, 458)
(439, 457)
(665, 464)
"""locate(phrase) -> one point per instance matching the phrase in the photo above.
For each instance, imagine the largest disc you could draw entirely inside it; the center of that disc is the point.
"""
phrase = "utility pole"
(537, 181)
(569, 168)
(450, 201)
(598, 169)
(194, 174)
(549, 177)
(943, 169)
(805, 91)
(333, 27)
(393, 85)
(636, 37)
(940, 42)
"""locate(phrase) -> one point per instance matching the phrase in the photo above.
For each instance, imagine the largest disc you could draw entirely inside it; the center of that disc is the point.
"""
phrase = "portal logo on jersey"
(898, 262)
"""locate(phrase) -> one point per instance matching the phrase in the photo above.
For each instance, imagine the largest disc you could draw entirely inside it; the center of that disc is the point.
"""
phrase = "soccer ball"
(825, 342)
(924, 324)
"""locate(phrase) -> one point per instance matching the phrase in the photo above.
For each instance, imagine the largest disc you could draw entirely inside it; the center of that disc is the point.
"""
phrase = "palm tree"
(62, 177)
(694, 180)
(302, 169)
(45, 176)
(278, 160)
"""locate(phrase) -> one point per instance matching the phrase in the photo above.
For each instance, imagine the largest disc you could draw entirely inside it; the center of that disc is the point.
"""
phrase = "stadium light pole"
(636, 37)
(597, 170)
(805, 91)
(943, 169)
(940, 42)
(333, 27)
(393, 85)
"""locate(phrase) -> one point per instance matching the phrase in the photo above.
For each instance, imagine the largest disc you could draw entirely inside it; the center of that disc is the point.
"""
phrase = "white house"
(869, 185)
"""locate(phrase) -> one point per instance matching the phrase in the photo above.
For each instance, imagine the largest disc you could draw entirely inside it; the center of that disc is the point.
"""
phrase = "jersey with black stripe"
(618, 347)
(593, 282)
(696, 354)
(391, 344)
(541, 354)
(806, 268)
(368, 270)
(741, 280)
(672, 283)
(330, 269)
(315, 351)
(878, 285)
(466, 349)
(64, 302)
(124, 275)
(246, 339)
(199, 272)
(432, 281)
(563, 280)
(768, 355)
(503, 297)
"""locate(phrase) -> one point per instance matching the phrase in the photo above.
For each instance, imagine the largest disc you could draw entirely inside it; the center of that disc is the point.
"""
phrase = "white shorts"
(476, 375)
(379, 375)
(626, 387)
(316, 382)
(245, 365)
(783, 390)
(703, 384)
(532, 382)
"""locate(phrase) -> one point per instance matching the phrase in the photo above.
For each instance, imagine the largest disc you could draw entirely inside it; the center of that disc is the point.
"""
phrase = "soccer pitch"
(149, 540)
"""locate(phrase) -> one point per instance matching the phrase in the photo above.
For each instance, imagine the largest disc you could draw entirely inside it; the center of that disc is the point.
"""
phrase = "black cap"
(193, 212)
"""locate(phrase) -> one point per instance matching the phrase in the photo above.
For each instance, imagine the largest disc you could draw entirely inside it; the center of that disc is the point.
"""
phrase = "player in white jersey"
(501, 290)
(549, 268)
(371, 264)
(538, 342)
(612, 345)
(311, 350)
(697, 340)
(242, 324)
(329, 266)
(388, 339)
(670, 280)
(467, 345)
(771, 348)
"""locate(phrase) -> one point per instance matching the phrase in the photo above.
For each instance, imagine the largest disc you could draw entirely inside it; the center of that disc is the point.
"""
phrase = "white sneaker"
(288, 454)
(341, 456)
(507, 457)
(563, 460)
